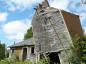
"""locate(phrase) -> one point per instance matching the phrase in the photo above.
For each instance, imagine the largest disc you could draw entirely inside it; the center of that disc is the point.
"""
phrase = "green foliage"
(2, 51)
(29, 34)
(14, 57)
(74, 58)
(10, 61)
(43, 61)
(80, 48)
(83, 49)
(7, 54)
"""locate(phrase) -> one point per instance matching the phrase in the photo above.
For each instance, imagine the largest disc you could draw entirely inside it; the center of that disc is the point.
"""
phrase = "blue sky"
(16, 16)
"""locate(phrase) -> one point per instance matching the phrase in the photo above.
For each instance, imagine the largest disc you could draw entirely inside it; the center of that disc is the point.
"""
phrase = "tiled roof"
(27, 42)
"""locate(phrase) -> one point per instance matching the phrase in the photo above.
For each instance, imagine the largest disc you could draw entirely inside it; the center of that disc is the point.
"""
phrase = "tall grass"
(10, 61)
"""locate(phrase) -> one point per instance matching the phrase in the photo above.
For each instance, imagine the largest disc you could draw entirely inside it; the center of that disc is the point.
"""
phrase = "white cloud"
(84, 30)
(60, 4)
(3, 16)
(12, 8)
(15, 30)
(83, 18)
(21, 4)
(83, 21)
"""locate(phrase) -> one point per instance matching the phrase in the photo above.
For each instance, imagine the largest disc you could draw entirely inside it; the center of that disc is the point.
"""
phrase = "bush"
(43, 61)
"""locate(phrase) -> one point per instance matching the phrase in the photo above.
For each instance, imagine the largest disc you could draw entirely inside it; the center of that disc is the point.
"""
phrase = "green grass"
(10, 61)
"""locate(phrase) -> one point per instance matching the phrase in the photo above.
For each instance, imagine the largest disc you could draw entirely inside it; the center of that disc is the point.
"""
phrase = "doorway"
(54, 58)
(24, 54)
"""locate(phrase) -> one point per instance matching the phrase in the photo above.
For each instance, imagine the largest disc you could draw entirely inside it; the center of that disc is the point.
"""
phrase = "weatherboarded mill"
(53, 30)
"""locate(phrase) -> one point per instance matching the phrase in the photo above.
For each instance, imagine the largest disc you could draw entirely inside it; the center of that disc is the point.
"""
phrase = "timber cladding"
(73, 24)
(17, 51)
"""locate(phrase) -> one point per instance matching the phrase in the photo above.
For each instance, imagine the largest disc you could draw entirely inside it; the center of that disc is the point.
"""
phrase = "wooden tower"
(53, 32)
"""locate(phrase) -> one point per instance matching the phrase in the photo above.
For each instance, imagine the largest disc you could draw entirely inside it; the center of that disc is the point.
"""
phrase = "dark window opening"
(24, 53)
(62, 22)
(41, 56)
(39, 46)
(12, 50)
(32, 50)
(42, 11)
(57, 11)
(42, 14)
(54, 58)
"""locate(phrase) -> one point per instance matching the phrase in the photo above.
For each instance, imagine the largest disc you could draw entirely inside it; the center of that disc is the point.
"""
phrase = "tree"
(82, 45)
(29, 34)
(80, 48)
(2, 51)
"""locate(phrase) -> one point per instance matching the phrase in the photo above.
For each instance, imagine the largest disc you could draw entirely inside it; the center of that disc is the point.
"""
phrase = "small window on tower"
(62, 22)
(42, 11)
